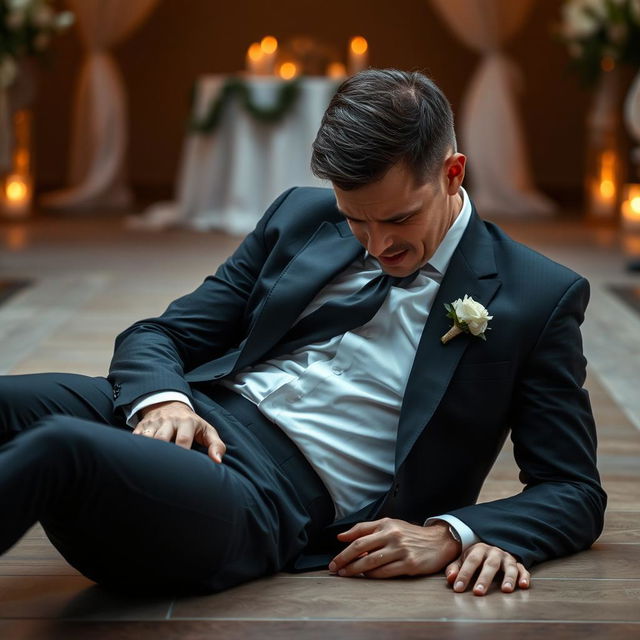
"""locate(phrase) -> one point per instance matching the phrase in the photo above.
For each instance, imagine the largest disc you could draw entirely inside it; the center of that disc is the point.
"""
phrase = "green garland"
(287, 96)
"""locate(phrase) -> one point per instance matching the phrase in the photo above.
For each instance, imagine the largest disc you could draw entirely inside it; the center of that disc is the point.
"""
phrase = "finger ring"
(380, 555)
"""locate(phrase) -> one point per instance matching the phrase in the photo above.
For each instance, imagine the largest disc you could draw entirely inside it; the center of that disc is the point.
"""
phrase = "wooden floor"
(594, 594)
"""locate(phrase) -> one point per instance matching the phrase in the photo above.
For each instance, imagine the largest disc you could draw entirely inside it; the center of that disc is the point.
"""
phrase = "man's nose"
(378, 241)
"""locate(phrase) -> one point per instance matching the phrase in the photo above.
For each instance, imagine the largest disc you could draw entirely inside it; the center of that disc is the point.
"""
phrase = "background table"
(228, 177)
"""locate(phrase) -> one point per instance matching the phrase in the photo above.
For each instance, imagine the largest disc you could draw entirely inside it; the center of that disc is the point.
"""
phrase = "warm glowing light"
(255, 52)
(607, 185)
(16, 189)
(604, 185)
(607, 63)
(359, 45)
(607, 189)
(358, 56)
(631, 207)
(269, 45)
(336, 70)
(288, 70)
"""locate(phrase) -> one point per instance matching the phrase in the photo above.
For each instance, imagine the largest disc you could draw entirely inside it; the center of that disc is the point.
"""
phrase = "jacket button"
(396, 489)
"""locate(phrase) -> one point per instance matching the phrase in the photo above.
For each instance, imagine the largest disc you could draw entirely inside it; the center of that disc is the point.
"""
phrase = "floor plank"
(311, 630)
(415, 599)
(74, 597)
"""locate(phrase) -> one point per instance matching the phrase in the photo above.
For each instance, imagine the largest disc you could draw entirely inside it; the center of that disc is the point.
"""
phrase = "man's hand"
(489, 561)
(170, 421)
(387, 548)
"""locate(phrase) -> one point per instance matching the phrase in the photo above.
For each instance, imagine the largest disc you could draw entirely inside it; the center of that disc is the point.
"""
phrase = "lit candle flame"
(288, 70)
(607, 189)
(359, 45)
(255, 52)
(269, 45)
(631, 207)
(16, 189)
(607, 174)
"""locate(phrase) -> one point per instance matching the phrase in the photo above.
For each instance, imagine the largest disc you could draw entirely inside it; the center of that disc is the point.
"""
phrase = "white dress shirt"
(339, 400)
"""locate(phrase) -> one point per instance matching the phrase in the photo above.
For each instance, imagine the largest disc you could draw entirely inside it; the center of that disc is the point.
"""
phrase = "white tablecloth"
(228, 178)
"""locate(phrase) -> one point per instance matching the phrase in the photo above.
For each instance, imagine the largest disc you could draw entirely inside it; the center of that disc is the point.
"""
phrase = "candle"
(603, 186)
(631, 208)
(336, 70)
(17, 196)
(269, 46)
(358, 54)
(288, 70)
(255, 59)
(16, 190)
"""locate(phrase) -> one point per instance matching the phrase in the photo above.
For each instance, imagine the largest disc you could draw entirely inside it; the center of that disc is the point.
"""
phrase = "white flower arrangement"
(600, 34)
(26, 28)
(468, 316)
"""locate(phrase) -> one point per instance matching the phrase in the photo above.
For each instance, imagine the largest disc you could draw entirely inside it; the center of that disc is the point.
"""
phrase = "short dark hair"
(380, 117)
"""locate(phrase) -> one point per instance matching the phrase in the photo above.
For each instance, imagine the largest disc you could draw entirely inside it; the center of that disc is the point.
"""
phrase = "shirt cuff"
(465, 533)
(153, 398)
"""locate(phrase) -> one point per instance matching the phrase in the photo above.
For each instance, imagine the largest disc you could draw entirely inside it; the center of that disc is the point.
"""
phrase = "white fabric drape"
(99, 130)
(490, 127)
(632, 117)
(228, 177)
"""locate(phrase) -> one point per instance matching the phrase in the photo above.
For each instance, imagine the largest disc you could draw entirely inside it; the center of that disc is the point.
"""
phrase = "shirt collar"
(442, 257)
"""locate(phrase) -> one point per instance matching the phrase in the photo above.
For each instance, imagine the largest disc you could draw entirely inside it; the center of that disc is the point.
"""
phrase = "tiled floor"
(92, 279)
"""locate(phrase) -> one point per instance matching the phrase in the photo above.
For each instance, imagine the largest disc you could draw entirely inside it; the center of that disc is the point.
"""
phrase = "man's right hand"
(175, 421)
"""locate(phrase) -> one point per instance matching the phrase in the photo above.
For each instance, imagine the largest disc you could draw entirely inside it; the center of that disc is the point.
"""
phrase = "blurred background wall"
(185, 38)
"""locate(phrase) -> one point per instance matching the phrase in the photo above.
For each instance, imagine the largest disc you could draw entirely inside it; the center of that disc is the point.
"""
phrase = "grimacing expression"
(401, 222)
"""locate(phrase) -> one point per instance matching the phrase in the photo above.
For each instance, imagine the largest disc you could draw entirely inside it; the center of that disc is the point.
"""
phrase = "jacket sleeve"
(561, 509)
(154, 354)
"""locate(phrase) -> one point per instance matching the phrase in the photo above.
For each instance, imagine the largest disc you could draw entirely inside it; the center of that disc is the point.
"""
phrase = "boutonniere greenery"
(468, 316)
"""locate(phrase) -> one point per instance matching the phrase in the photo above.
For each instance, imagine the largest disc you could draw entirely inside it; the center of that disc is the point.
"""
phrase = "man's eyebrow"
(393, 218)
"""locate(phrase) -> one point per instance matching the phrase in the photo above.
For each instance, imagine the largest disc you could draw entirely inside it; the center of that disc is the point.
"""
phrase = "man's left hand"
(489, 561)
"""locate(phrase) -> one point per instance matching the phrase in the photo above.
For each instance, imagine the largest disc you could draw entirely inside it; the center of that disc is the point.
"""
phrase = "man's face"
(400, 222)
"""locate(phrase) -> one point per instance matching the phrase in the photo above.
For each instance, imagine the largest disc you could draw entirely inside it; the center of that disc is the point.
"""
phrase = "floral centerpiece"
(601, 34)
(26, 28)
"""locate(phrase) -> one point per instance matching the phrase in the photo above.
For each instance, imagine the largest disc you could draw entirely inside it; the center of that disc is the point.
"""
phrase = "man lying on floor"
(328, 409)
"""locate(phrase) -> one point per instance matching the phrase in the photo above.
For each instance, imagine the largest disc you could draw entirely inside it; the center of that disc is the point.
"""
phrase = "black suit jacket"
(462, 399)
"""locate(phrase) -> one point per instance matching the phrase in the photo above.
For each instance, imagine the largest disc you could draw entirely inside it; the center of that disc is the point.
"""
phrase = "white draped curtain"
(632, 118)
(99, 130)
(490, 127)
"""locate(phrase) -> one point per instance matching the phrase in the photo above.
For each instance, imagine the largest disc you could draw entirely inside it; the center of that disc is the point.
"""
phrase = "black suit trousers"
(131, 512)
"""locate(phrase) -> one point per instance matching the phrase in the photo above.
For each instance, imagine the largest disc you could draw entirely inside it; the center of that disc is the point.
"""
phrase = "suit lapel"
(330, 250)
(471, 271)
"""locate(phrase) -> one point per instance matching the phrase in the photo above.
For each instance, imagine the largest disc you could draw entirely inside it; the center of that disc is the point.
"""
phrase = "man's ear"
(454, 167)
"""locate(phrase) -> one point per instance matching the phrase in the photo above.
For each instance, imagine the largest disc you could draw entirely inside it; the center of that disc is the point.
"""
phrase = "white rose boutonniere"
(468, 316)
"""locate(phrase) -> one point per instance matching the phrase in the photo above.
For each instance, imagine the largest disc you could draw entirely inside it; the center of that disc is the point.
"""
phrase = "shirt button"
(337, 370)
